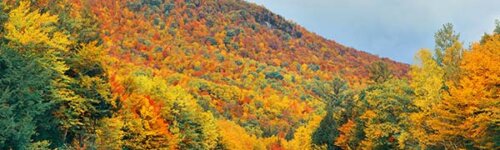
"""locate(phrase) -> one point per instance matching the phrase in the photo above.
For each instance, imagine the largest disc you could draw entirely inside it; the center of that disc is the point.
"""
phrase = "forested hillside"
(228, 74)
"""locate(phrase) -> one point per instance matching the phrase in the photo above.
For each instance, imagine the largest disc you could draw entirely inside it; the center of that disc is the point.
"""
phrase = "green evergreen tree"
(25, 99)
(327, 132)
(338, 104)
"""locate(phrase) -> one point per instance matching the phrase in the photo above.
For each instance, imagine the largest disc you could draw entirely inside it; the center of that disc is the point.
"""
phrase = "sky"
(396, 29)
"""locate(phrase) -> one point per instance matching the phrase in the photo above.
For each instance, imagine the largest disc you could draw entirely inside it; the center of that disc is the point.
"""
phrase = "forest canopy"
(193, 74)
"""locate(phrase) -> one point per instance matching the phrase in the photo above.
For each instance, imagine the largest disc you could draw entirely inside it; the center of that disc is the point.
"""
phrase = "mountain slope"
(240, 62)
(237, 27)
(183, 74)
(192, 74)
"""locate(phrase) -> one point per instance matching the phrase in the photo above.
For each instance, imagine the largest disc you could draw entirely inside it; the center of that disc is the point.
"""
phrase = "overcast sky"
(389, 28)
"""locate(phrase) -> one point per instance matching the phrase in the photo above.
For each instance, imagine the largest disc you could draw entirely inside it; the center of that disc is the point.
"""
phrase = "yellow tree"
(235, 137)
(144, 126)
(30, 27)
(109, 133)
(470, 114)
(302, 136)
(31, 31)
(427, 80)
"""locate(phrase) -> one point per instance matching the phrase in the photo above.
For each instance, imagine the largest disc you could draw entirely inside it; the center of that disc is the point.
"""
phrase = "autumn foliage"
(227, 74)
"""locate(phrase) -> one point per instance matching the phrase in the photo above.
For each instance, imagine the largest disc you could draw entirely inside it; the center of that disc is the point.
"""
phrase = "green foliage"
(338, 101)
(25, 98)
(386, 121)
(497, 27)
(314, 67)
(73, 91)
(444, 38)
(380, 72)
(332, 93)
(274, 75)
(448, 54)
(3, 17)
(92, 99)
(327, 132)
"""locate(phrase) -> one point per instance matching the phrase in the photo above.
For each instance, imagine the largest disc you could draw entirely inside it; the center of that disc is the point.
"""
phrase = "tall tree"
(33, 35)
(444, 38)
(338, 103)
(385, 119)
(448, 54)
(92, 98)
(25, 98)
(469, 115)
(427, 80)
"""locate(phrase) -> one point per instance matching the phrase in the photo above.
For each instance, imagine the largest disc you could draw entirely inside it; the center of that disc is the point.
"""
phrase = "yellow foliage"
(302, 136)
(146, 128)
(427, 81)
(235, 137)
(91, 52)
(185, 102)
(29, 27)
(109, 134)
(471, 110)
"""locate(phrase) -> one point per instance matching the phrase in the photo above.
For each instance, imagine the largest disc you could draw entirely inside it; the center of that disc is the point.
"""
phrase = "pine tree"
(327, 131)
(338, 103)
(25, 99)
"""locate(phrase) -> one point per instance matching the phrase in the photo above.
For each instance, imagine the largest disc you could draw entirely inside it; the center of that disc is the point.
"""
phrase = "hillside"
(232, 56)
(242, 30)
(239, 61)
(178, 71)
(216, 74)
